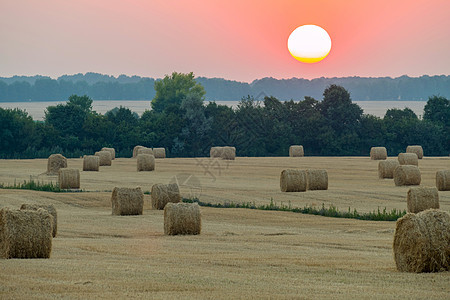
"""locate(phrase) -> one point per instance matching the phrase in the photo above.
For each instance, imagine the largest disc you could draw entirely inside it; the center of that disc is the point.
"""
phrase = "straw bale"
(386, 168)
(164, 193)
(443, 180)
(408, 159)
(407, 175)
(145, 162)
(145, 150)
(136, 149)
(25, 233)
(422, 198)
(49, 208)
(422, 242)
(182, 218)
(296, 151)
(91, 163)
(105, 158)
(293, 180)
(159, 152)
(55, 162)
(112, 151)
(316, 179)
(229, 153)
(415, 149)
(127, 201)
(378, 153)
(216, 152)
(69, 178)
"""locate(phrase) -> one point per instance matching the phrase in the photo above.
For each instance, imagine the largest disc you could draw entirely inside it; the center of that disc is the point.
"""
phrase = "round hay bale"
(408, 159)
(415, 149)
(145, 162)
(422, 198)
(112, 151)
(25, 233)
(69, 178)
(164, 193)
(229, 153)
(105, 158)
(422, 242)
(407, 175)
(159, 152)
(91, 163)
(216, 152)
(127, 201)
(136, 149)
(55, 162)
(145, 150)
(49, 208)
(443, 180)
(293, 180)
(296, 151)
(182, 218)
(378, 153)
(316, 179)
(386, 168)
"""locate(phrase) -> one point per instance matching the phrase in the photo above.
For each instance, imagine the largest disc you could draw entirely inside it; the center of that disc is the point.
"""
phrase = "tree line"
(181, 122)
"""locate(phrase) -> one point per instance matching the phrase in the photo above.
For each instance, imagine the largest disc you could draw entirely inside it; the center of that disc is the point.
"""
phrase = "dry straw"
(229, 153)
(443, 180)
(112, 151)
(408, 159)
(415, 149)
(164, 193)
(422, 242)
(55, 162)
(316, 179)
(145, 162)
(127, 201)
(216, 152)
(136, 149)
(378, 153)
(69, 178)
(407, 175)
(182, 218)
(386, 168)
(159, 152)
(422, 198)
(105, 158)
(293, 180)
(49, 208)
(296, 151)
(91, 163)
(25, 233)
(145, 150)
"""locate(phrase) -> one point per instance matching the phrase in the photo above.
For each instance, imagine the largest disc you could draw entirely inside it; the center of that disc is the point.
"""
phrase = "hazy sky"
(237, 39)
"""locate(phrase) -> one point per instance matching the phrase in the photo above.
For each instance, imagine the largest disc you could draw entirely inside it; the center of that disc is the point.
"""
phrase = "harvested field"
(240, 253)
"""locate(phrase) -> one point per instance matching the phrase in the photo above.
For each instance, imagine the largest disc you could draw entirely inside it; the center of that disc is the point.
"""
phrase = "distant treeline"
(106, 87)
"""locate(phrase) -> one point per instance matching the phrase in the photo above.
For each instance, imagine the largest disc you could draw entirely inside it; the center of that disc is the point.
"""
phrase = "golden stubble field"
(241, 253)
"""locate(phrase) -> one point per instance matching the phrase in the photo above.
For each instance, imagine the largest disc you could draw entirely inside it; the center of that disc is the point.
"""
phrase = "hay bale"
(316, 179)
(378, 153)
(164, 193)
(49, 208)
(422, 198)
(127, 201)
(415, 149)
(182, 218)
(145, 150)
(386, 168)
(91, 163)
(296, 151)
(136, 149)
(112, 151)
(443, 180)
(145, 162)
(216, 152)
(229, 153)
(55, 162)
(69, 178)
(408, 159)
(293, 180)
(105, 158)
(159, 152)
(407, 175)
(25, 233)
(422, 242)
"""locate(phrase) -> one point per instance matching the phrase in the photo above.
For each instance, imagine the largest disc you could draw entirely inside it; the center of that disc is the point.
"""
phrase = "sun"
(309, 43)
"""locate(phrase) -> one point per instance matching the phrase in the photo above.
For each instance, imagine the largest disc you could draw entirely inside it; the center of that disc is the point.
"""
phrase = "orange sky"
(239, 40)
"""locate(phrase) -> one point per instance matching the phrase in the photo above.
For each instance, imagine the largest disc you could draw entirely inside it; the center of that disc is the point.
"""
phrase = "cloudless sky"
(238, 40)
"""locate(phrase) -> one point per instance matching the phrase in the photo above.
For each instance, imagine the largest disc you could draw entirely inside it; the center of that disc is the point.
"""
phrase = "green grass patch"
(35, 185)
(331, 211)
